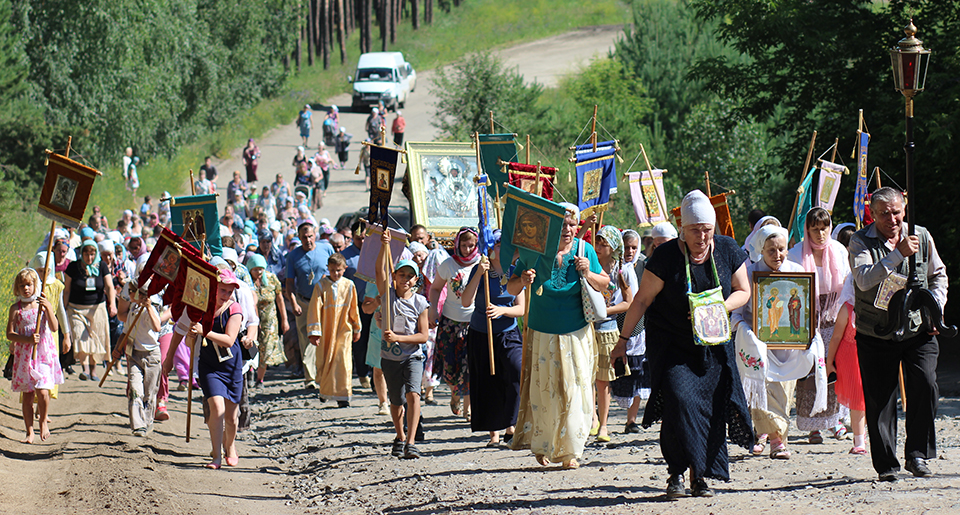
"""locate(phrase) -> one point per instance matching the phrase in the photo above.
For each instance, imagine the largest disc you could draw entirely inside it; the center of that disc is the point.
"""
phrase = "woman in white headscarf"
(695, 389)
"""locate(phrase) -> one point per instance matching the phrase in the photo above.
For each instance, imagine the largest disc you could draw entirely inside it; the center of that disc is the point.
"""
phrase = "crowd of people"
(290, 296)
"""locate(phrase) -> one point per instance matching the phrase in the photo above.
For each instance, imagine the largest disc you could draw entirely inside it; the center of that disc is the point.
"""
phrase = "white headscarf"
(759, 238)
(571, 207)
(697, 209)
(664, 230)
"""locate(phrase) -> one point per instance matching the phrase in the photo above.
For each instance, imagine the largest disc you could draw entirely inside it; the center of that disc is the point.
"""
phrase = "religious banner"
(860, 194)
(66, 190)
(367, 264)
(484, 228)
(804, 205)
(601, 147)
(524, 176)
(829, 184)
(646, 192)
(493, 149)
(163, 265)
(596, 176)
(532, 226)
(195, 290)
(383, 170)
(724, 224)
(195, 217)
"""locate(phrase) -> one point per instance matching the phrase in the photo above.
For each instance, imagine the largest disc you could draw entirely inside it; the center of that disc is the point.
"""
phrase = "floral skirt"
(450, 355)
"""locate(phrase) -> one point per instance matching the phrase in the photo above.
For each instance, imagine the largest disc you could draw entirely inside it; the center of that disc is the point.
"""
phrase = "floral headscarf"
(612, 236)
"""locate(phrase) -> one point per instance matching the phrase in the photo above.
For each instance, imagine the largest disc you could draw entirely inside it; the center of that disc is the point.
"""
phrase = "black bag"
(245, 353)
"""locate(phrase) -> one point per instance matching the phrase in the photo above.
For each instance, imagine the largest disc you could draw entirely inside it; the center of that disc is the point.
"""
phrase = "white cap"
(697, 209)
(664, 230)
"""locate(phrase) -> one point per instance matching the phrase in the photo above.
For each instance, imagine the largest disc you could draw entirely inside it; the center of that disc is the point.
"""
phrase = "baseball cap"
(408, 263)
(227, 276)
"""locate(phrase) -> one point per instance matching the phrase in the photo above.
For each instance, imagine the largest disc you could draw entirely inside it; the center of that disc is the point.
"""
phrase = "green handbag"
(708, 314)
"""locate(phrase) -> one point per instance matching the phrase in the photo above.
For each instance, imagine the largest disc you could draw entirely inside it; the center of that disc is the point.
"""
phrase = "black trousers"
(360, 346)
(879, 361)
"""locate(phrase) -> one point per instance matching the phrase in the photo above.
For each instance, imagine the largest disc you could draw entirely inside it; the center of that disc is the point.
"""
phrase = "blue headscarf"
(94, 269)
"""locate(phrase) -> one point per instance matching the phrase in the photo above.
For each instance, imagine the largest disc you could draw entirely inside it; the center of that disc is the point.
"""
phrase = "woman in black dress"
(496, 408)
(695, 389)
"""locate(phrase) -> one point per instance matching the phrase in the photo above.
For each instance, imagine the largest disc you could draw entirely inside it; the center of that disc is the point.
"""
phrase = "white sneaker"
(384, 410)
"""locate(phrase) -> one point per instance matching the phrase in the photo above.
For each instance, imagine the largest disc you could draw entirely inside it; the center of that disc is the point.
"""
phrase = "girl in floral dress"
(33, 374)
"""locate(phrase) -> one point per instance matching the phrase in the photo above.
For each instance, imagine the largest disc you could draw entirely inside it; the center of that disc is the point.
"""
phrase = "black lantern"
(913, 309)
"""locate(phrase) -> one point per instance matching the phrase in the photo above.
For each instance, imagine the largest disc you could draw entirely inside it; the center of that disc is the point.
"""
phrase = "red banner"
(724, 224)
(66, 190)
(163, 265)
(524, 176)
(194, 290)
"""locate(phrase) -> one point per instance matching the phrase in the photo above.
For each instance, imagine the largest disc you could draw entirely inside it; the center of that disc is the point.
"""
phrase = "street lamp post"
(912, 309)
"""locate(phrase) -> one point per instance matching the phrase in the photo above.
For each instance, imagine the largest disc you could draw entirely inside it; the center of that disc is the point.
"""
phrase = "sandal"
(840, 433)
(542, 460)
(778, 451)
(595, 428)
(455, 406)
(759, 447)
(860, 451)
(571, 465)
(815, 437)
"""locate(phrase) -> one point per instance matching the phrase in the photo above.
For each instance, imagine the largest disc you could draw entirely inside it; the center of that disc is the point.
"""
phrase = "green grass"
(475, 26)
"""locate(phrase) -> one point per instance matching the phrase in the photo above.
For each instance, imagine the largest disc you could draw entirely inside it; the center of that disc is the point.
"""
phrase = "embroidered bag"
(594, 305)
(711, 324)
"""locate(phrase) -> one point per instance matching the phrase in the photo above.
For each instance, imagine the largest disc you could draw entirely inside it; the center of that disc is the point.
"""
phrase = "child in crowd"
(405, 329)
(146, 208)
(34, 374)
(333, 324)
(143, 354)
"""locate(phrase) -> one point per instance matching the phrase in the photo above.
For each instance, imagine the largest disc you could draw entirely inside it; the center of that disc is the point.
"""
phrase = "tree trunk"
(427, 12)
(414, 15)
(309, 31)
(325, 20)
(394, 20)
(384, 24)
(341, 31)
(348, 17)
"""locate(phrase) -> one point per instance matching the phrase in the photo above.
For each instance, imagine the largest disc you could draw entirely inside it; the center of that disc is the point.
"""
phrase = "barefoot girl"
(33, 374)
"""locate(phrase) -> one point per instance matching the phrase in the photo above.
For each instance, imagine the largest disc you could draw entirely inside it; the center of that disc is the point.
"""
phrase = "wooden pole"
(486, 294)
(833, 155)
(707, 175)
(496, 205)
(593, 130)
(121, 346)
(528, 150)
(195, 348)
(385, 311)
(193, 186)
(492, 130)
(803, 177)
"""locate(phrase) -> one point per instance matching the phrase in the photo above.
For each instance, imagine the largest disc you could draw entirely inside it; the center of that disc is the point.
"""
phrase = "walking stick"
(193, 354)
(121, 347)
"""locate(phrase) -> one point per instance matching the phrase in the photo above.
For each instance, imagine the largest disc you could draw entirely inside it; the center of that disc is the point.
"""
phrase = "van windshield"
(375, 75)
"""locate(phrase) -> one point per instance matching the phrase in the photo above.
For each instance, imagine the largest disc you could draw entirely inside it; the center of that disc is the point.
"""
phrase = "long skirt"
(556, 394)
(90, 331)
(496, 408)
(807, 394)
(775, 420)
(698, 394)
(450, 355)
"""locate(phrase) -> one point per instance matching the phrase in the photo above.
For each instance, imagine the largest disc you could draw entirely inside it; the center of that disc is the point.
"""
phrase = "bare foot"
(541, 459)
(44, 430)
(570, 465)
(29, 437)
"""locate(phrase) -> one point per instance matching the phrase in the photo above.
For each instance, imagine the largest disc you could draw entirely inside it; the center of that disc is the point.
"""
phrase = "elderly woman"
(628, 390)
(88, 288)
(694, 388)
(559, 353)
(820, 253)
(273, 315)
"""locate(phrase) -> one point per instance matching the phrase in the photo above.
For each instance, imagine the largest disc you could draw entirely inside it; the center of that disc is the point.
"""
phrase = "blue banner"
(485, 229)
(860, 194)
(804, 204)
(596, 176)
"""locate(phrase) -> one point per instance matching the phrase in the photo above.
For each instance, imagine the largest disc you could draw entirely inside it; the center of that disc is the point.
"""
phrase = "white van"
(385, 76)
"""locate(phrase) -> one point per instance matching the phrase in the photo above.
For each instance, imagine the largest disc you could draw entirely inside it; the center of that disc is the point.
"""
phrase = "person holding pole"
(878, 252)
(403, 320)
(143, 353)
(495, 311)
(221, 381)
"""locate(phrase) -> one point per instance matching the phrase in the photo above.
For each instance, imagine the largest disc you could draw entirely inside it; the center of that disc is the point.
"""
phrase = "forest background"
(733, 87)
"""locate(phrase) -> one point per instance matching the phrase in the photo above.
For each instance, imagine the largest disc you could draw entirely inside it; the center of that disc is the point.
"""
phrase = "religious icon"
(383, 179)
(591, 184)
(530, 231)
(776, 292)
(168, 264)
(63, 193)
(196, 291)
(194, 226)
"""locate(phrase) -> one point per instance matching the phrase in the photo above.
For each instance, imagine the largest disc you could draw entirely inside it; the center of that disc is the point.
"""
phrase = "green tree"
(469, 90)
(818, 61)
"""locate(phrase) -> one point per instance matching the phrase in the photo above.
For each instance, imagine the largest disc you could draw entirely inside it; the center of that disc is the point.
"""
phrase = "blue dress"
(222, 378)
